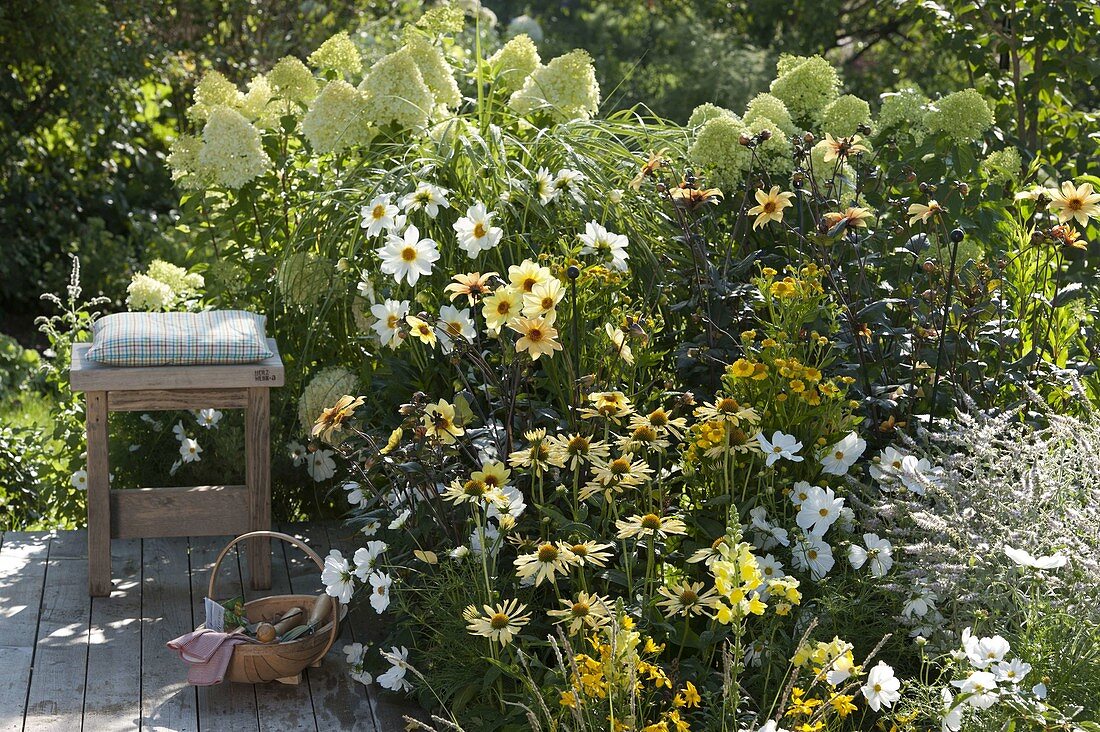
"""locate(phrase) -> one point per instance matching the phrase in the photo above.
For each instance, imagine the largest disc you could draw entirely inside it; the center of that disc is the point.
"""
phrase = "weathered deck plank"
(23, 559)
(55, 700)
(167, 702)
(223, 706)
(112, 696)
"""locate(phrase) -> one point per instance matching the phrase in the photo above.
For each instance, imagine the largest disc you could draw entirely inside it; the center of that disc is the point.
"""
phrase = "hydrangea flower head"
(514, 62)
(963, 116)
(806, 85)
(1002, 166)
(844, 114)
(767, 106)
(254, 102)
(293, 81)
(149, 294)
(337, 118)
(395, 93)
(213, 90)
(183, 160)
(717, 148)
(437, 74)
(566, 87)
(775, 153)
(902, 112)
(338, 54)
(302, 278)
(232, 151)
(706, 112)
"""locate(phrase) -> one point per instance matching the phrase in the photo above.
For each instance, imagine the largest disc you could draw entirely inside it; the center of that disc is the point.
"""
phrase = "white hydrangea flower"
(337, 119)
(394, 92)
(232, 151)
(566, 88)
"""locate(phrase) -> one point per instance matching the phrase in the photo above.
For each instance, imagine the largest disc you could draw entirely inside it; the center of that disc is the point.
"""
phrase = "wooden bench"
(191, 511)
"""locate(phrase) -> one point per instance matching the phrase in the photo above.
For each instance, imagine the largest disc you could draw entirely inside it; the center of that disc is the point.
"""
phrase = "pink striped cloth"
(207, 654)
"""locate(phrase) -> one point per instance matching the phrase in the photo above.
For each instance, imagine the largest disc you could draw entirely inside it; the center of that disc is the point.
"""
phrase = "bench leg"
(99, 496)
(257, 446)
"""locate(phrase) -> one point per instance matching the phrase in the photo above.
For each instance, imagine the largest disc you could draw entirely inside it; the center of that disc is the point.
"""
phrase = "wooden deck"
(69, 662)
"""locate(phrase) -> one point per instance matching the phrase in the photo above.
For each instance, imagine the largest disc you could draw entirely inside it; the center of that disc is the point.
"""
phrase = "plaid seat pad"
(178, 339)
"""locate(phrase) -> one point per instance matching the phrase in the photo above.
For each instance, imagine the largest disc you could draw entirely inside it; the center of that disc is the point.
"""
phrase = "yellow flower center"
(408, 254)
(378, 212)
(392, 321)
(645, 433)
(474, 488)
(578, 445)
(479, 230)
(619, 466)
(651, 521)
(689, 597)
(580, 550)
(454, 328)
(812, 554)
(823, 512)
(1075, 204)
(769, 207)
(726, 405)
(504, 307)
(839, 455)
(547, 303)
(548, 553)
(580, 609)
(499, 621)
(658, 418)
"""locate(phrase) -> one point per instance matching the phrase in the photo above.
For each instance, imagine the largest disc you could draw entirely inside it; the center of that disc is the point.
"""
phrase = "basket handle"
(308, 552)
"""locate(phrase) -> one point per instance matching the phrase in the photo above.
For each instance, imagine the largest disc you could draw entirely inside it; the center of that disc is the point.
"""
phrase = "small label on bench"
(262, 375)
(215, 616)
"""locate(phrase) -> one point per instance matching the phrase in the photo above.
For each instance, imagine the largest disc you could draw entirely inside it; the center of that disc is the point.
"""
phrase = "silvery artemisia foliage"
(1003, 482)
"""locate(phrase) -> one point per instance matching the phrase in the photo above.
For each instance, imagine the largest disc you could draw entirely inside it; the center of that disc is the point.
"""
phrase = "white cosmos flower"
(297, 452)
(337, 577)
(915, 474)
(320, 465)
(454, 324)
(780, 446)
(366, 559)
(952, 714)
(813, 555)
(388, 317)
(429, 197)
(983, 652)
(209, 418)
(189, 450)
(772, 726)
(353, 653)
(459, 553)
(819, 510)
(888, 465)
(476, 232)
(800, 493)
(770, 567)
(1026, 559)
(598, 240)
(920, 604)
(1012, 671)
(982, 688)
(408, 256)
(882, 688)
(1039, 690)
(394, 678)
(380, 591)
(402, 517)
(567, 178)
(371, 527)
(80, 480)
(769, 535)
(878, 551)
(356, 496)
(544, 186)
(839, 458)
(179, 431)
(379, 215)
(514, 508)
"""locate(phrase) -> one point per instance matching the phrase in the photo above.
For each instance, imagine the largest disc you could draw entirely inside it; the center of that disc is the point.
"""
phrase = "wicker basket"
(254, 663)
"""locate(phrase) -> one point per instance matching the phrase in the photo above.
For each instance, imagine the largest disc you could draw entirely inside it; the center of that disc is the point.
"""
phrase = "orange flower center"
(499, 621)
(408, 254)
(479, 230)
(651, 521)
